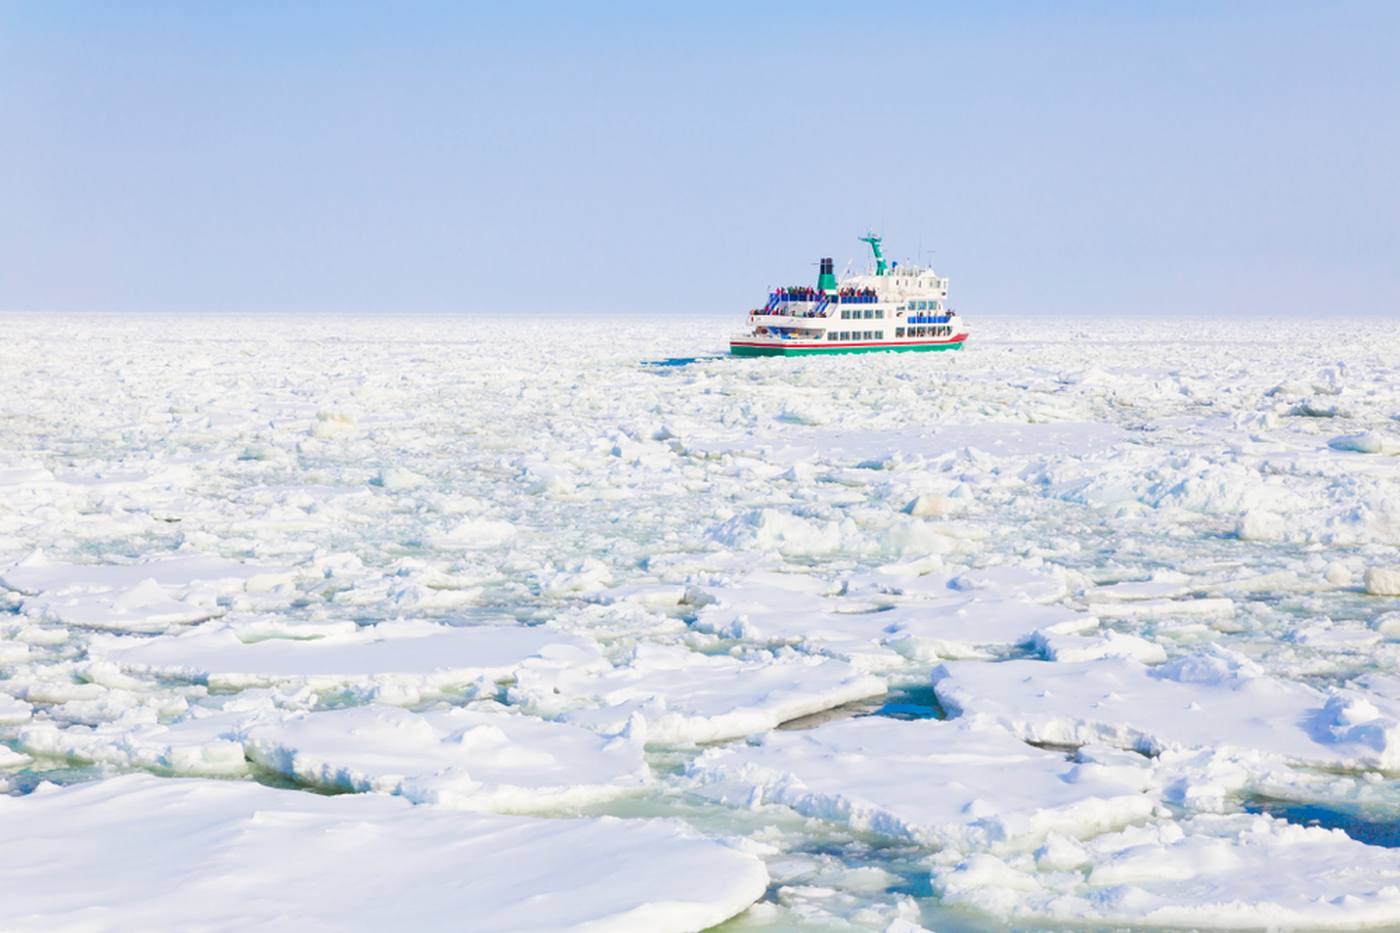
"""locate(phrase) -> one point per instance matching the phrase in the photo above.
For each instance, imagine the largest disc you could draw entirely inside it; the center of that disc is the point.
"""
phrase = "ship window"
(880, 313)
(845, 314)
(899, 331)
(870, 335)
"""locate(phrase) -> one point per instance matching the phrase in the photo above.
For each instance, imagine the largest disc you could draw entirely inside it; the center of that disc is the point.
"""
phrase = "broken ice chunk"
(683, 697)
(469, 759)
(1198, 701)
(1216, 872)
(405, 659)
(140, 597)
(935, 783)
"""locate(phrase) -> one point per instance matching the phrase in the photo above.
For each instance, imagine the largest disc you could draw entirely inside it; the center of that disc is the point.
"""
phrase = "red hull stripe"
(837, 344)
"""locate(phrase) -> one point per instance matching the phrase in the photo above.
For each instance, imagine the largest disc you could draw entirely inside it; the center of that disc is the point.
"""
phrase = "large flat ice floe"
(150, 853)
(676, 696)
(937, 783)
(1194, 702)
(468, 759)
(1211, 872)
(404, 660)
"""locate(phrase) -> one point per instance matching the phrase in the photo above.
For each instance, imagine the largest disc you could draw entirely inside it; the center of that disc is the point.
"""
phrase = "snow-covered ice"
(905, 618)
(139, 597)
(936, 783)
(436, 565)
(674, 696)
(1209, 872)
(1196, 701)
(465, 758)
(147, 853)
(392, 658)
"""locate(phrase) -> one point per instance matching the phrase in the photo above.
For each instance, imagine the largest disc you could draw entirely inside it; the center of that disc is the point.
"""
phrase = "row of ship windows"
(899, 332)
(856, 314)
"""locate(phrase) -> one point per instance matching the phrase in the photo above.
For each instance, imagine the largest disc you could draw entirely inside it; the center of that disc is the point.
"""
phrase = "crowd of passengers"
(797, 293)
(857, 295)
(801, 293)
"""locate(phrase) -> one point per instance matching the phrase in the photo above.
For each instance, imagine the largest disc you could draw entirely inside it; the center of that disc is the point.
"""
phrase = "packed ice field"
(536, 624)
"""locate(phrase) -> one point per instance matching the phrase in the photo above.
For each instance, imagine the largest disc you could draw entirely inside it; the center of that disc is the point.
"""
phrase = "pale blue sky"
(1210, 158)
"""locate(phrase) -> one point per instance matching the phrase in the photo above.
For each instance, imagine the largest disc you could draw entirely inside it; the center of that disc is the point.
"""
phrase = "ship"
(890, 307)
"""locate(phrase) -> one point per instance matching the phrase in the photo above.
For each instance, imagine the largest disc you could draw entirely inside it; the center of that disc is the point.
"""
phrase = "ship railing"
(928, 319)
(785, 310)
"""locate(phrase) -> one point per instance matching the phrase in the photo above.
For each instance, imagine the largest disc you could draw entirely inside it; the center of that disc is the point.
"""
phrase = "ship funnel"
(826, 281)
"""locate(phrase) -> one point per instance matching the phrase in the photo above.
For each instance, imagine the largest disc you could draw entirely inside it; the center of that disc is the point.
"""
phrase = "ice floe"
(13, 711)
(184, 853)
(203, 746)
(938, 783)
(962, 616)
(469, 759)
(677, 696)
(1211, 872)
(1383, 581)
(141, 597)
(396, 661)
(1197, 701)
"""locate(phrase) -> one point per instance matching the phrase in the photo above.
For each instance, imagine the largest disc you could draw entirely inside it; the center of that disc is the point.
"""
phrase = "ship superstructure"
(889, 307)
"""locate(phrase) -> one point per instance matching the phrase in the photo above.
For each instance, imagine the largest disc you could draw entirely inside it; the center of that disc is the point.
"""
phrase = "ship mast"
(874, 241)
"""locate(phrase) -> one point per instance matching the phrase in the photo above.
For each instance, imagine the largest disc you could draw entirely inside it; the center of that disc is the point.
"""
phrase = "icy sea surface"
(576, 623)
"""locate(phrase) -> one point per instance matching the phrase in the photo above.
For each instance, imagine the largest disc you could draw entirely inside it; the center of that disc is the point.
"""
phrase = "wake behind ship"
(890, 307)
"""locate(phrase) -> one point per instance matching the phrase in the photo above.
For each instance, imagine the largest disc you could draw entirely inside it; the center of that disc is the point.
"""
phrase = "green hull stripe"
(740, 350)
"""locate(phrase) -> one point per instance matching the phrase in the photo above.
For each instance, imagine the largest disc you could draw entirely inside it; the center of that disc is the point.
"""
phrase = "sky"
(1220, 159)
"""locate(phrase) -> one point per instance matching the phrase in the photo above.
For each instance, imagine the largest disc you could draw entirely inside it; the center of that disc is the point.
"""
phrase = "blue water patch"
(1370, 830)
(914, 701)
(682, 360)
